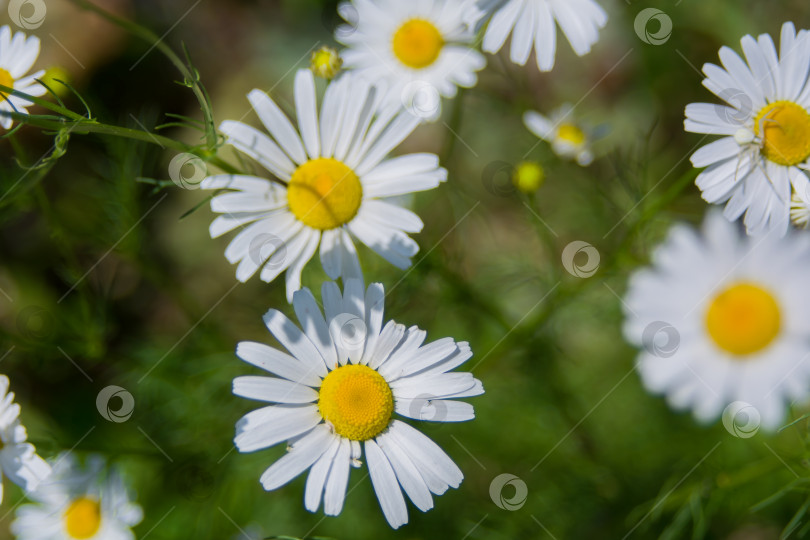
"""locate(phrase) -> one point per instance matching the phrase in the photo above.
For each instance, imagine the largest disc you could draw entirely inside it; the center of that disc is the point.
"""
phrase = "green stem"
(192, 78)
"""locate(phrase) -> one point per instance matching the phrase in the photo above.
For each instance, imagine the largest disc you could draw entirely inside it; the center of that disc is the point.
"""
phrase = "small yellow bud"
(528, 176)
(326, 62)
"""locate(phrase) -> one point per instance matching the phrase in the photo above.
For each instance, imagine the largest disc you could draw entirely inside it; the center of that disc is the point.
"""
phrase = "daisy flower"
(76, 504)
(532, 24)
(568, 139)
(723, 317)
(18, 459)
(416, 51)
(336, 393)
(17, 56)
(334, 182)
(766, 130)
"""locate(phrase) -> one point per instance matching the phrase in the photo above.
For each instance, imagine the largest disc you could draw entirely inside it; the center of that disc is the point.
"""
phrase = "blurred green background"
(102, 271)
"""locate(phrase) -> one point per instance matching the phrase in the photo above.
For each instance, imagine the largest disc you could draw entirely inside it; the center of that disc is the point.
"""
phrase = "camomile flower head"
(764, 153)
(568, 139)
(78, 503)
(326, 62)
(335, 395)
(532, 24)
(19, 461)
(17, 56)
(332, 183)
(722, 318)
(800, 210)
(416, 51)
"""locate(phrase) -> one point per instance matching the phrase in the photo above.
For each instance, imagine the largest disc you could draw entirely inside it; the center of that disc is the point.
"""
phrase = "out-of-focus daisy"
(724, 317)
(766, 129)
(416, 51)
(568, 139)
(532, 24)
(17, 56)
(336, 393)
(78, 504)
(334, 182)
(18, 459)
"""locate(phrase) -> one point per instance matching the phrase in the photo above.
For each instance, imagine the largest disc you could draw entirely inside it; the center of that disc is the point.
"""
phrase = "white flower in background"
(334, 182)
(724, 317)
(766, 130)
(78, 504)
(800, 210)
(17, 57)
(416, 51)
(532, 24)
(18, 459)
(568, 139)
(337, 391)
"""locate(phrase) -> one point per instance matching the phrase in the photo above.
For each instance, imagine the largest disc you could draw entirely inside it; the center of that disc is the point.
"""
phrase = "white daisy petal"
(385, 485)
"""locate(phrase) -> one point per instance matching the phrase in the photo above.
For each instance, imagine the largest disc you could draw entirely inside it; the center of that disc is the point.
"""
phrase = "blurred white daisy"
(766, 130)
(532, 25)
(800, 210)
(337, 390)
(417, 51)
(17, 57)
(568, 139)
(18, 459)
(334, 182)
(78, 504)
(724, 317)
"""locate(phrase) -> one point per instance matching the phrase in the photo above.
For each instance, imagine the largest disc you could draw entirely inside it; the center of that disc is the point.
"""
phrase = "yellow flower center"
(417, 43)
(324, 194)
(326, 62)
(357, 401)
(743, 319)
(6, 80)
(785, 132)
(571, 134)
(528, 176)
(83, 518)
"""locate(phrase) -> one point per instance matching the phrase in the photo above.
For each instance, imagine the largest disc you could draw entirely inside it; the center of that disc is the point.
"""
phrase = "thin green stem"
(191, 77)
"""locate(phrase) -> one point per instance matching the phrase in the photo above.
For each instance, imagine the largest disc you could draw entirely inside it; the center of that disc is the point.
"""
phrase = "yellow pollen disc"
(83, 518)
(6, 80)
(571, 134)
(417, 43)
(324, 194)
(743, 319)
(784, 128)
(357, 401)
